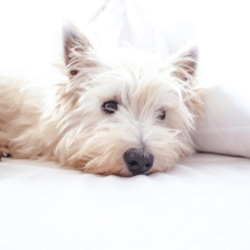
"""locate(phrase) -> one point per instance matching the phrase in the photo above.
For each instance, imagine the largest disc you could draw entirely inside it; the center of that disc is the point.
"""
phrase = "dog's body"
(122, 114)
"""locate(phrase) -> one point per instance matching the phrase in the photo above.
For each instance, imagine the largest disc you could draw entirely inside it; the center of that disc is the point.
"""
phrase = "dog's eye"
(110, 107)
(162, 116)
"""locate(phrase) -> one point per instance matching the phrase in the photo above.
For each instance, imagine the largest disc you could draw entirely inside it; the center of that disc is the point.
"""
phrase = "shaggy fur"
(64, 117)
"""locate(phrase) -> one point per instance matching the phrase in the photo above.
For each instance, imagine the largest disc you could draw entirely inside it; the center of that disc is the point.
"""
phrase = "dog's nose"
(138, 161)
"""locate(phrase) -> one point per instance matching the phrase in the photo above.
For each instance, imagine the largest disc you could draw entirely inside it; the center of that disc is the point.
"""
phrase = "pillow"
(224, 71)
(226, 125)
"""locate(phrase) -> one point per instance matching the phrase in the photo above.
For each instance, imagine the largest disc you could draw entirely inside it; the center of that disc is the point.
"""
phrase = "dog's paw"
(4, 151)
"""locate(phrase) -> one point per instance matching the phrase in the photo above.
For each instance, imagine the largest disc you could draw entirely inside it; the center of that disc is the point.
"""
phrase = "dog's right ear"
(75, 47)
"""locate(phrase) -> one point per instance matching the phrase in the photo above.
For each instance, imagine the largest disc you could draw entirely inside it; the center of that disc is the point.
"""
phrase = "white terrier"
(123, 113)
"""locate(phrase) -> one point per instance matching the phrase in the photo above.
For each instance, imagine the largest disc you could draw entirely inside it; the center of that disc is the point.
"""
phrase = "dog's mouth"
(105, 169)
(120, 168)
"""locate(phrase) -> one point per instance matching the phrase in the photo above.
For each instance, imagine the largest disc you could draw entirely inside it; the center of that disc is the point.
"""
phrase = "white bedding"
(202, 203)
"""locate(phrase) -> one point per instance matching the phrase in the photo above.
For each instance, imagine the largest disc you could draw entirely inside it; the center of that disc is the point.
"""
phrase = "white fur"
(63, 117)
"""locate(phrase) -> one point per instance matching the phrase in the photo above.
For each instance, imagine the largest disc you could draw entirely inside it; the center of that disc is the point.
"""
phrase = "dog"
(123, 113)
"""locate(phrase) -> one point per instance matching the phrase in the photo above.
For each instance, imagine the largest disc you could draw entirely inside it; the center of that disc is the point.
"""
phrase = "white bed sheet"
(202, 203)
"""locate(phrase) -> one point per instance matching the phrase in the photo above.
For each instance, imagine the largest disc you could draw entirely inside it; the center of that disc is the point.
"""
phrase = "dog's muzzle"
(138, 161)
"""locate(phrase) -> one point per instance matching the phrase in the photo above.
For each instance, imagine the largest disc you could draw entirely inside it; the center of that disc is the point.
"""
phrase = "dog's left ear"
(184, 67)
(75, 47)
(185, 63)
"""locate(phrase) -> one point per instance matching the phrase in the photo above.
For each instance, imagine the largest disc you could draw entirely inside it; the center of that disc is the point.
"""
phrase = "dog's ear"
(185, 63)
(75, 46)
(184, 66)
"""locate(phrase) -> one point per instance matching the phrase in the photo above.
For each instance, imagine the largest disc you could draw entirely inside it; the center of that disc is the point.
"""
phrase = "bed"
(202, 203)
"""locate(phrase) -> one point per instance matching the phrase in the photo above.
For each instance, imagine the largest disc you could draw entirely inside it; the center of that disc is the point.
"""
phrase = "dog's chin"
(118, 169)
(86, 166)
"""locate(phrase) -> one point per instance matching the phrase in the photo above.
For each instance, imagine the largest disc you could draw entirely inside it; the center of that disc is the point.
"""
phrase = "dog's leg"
(4, 152)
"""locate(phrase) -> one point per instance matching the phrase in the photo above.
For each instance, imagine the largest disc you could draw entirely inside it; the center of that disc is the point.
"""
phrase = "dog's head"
(127, 113)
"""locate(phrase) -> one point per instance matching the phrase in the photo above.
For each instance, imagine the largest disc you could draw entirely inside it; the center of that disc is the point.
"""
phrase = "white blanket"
(202, 203)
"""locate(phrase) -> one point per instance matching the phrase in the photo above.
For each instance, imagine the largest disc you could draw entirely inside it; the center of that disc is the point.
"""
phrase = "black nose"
(138, 161)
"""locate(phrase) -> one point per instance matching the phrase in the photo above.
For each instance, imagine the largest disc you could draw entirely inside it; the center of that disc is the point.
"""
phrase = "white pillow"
(224, 70)
(226, 127)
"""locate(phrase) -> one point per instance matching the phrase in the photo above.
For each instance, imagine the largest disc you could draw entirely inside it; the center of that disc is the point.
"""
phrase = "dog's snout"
(138, 161)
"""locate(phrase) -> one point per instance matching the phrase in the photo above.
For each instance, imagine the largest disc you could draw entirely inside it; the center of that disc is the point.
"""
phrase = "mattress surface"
(202, 203)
